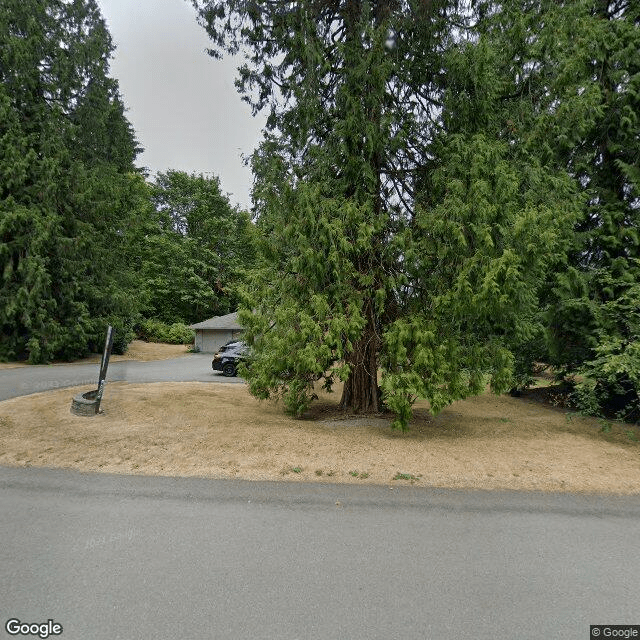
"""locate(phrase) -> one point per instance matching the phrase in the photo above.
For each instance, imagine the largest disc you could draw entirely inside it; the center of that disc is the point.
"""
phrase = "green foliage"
(608, 249)
(69, 193)
(299, 317)
(196, 257)
(473, 243)
(153, 330)
(405, 476)
(577, 64)
(404, 228)
(528, 354)
(123, 334)
(610, 382)
(605, 426)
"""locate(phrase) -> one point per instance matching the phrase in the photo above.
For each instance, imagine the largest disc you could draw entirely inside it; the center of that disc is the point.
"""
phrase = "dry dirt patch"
(138, 350)
(220, 431)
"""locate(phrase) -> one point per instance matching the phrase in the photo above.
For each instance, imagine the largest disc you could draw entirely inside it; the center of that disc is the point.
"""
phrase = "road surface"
(111, 557)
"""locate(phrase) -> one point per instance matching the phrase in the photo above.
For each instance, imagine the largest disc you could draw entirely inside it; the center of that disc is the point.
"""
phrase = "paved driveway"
(194, 367)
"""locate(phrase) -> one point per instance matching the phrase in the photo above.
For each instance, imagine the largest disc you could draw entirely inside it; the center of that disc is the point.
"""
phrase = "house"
(213, 333)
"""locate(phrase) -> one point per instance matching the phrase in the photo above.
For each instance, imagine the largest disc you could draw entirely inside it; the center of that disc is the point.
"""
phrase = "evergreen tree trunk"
(365, 144)
(361, 393)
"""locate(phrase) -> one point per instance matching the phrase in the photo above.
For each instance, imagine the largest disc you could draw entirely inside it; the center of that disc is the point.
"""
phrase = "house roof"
(230, 321)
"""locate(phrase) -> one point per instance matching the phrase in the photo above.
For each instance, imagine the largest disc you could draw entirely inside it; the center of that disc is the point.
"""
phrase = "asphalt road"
(21, 381)
(133, 557)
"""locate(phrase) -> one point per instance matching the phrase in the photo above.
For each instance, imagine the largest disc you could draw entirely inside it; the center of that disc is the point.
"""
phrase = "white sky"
(181, 102)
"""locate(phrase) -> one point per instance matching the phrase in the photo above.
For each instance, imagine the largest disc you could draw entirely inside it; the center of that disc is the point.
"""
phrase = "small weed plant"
(605, 426)
(405, 476)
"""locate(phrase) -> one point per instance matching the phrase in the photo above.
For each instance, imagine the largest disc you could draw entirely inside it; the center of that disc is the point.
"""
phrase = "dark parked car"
(228, 357)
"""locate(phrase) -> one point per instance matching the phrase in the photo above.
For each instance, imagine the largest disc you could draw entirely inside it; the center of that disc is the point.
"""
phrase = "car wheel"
(229, 369)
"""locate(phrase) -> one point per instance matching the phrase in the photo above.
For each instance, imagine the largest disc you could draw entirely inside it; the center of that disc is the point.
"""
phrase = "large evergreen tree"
(594, 318)
(394, 240)
(578, 63)
(68, 186)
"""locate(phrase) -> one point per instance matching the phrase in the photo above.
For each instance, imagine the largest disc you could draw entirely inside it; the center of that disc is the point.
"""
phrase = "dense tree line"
(200, 251)
(446, 192)
(85, 241)
(68, 186)
(579, 64)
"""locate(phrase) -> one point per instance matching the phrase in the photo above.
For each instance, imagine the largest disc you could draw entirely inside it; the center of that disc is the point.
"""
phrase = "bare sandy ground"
(220, 431)
(138, 350)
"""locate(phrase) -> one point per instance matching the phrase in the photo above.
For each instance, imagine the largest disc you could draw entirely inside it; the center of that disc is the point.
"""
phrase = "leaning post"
(104, 364)
(88, 404)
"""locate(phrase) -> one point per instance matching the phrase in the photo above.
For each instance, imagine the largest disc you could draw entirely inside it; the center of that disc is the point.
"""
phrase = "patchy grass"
(405, 476)
(218, 430)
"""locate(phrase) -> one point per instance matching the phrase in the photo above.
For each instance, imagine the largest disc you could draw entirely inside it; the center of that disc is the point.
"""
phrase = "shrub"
(180, 334)
(123, 334)
(611, 379)
(611, 383)
(153, 330)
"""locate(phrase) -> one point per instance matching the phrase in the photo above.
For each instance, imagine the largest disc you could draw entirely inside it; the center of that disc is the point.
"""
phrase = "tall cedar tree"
(594, 316)
(579, 65)
(68, 191)
(393, 240)
(200, 251)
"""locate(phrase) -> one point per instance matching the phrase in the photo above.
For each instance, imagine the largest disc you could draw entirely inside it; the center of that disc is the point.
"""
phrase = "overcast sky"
(181, 102)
